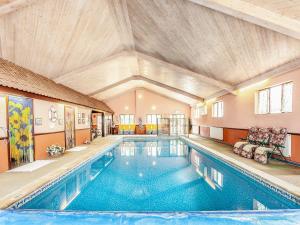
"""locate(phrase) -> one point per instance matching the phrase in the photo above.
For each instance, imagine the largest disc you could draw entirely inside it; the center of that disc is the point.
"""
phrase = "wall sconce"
(126, 108)
(140, 96)
(153, 107)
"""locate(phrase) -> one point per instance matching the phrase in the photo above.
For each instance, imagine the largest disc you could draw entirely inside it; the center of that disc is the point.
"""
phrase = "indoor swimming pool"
(156, 175)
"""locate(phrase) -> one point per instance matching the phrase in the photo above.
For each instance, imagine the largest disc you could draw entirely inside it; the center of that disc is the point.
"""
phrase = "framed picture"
(38, 121)
(79, 115)
(60, 122)
(79, 120)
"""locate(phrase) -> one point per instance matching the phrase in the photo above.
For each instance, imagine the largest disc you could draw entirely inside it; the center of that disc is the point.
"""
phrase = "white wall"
(41, 112)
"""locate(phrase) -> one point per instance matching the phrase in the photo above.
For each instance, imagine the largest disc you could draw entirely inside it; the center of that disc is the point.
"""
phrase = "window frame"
(268, 89)
(131, 119)
(200, 111)
(157, 116)
(217, 115)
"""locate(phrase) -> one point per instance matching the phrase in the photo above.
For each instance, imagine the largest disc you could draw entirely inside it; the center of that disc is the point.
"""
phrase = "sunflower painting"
(69, 127)
(20, 130)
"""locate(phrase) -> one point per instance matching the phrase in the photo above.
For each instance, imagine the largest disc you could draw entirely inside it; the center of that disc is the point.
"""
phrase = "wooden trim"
(82, 129)
(3, 138)
(234, 128)
(46, 133)
(8, 138)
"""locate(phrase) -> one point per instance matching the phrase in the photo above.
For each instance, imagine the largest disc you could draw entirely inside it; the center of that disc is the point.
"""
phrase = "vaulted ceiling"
(187, 49)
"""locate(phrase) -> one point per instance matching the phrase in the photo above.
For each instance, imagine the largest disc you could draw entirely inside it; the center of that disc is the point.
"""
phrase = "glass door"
(177, 124)
(20, 118)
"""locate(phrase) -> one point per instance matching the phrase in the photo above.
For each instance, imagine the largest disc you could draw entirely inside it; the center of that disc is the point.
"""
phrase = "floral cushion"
(240, 143)
(278, 136)
(248, 151)
(262, 150)
(253, 132)
(263, 135)
(261, 154)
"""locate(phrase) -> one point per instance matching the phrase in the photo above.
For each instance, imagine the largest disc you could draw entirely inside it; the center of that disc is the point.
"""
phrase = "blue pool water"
(157, 175)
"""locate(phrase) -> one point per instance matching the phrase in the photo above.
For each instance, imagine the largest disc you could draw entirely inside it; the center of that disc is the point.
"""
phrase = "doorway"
(69, 127)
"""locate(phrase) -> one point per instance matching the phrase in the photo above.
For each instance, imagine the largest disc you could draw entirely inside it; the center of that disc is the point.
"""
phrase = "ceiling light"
(126, 107)
(153, 107)
(140, 96)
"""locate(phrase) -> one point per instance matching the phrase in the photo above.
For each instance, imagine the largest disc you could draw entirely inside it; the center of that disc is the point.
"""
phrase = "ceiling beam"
(269, 74)
(202, 78)
(255, 14)
(176, 90)
(111, 86)
(274, 72)
(61, 78)
(138, 55)
(142, 78)
(14, 5)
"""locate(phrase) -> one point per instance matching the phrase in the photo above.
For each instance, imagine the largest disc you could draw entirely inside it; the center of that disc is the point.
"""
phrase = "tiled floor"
(14, 186)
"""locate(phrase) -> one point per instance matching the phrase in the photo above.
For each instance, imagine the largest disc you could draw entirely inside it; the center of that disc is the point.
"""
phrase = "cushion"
(249, 147)
(261, 150)
(278, 136)
(239, 144)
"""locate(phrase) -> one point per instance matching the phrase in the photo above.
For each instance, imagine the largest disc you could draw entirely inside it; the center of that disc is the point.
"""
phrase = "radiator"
(216, 133)
(195, 130)
(288, 146)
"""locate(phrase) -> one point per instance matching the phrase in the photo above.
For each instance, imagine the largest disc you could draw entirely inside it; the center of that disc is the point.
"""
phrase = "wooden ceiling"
(191, 48)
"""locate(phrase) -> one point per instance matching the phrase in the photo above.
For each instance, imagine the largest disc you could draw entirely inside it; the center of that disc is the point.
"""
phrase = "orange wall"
(41, 142)
(4, 165)
(231, 136)
(295, 156)
(82, 135)
(143, 106)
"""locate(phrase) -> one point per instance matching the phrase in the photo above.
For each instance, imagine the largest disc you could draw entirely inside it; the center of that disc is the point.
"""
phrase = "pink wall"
(143, 106)
(239, 109)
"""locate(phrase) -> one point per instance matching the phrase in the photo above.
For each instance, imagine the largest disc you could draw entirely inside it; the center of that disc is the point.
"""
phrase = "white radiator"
(216, 133)
(195, 130)
(288, 146)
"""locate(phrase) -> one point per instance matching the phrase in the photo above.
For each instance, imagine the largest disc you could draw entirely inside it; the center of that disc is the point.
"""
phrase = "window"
(217, 109)
(126, 119)
(153, 118)
(177, 124)
(277, 99)
(200, 111)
